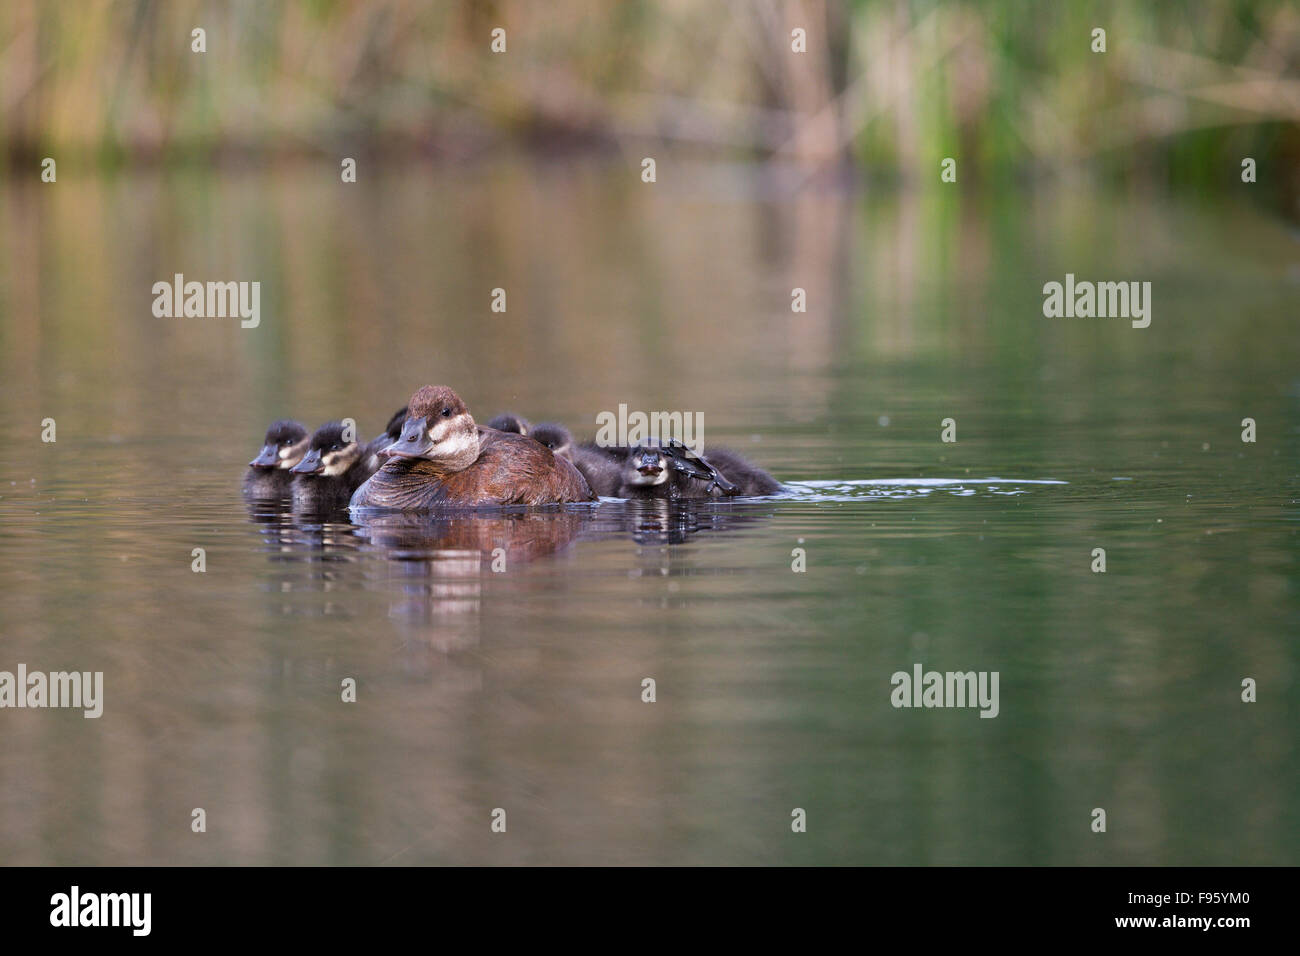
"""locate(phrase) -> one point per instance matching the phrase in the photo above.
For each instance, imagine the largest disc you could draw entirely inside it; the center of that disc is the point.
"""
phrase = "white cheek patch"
(448, 426)
(291, 455)
(456, 445)
(339, 461)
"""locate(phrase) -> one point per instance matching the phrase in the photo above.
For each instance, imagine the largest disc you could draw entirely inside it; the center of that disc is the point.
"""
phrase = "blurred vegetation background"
(886, 89)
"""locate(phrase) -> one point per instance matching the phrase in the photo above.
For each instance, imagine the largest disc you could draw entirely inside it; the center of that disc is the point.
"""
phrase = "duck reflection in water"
(668, 521)
(438, 569)
(442, 564)
(307, 553)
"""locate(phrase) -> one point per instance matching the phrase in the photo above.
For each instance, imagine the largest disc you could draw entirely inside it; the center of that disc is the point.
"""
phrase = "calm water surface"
(522, 689)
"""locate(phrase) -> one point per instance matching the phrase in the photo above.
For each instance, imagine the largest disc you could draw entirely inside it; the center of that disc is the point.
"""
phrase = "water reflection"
(503, 538)
(437, 564)
(467, 544)
(671, 522)
(499, 538)
(434, 566)
(521, 688)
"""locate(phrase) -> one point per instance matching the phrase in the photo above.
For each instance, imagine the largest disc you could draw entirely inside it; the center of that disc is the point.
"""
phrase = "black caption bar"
(136, 906)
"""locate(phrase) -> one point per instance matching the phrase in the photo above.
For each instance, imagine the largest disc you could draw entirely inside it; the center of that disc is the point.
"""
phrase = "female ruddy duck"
(445, 460)
(268, 474)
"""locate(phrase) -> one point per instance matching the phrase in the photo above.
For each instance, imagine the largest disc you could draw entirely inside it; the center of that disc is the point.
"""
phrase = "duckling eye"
(334, 447)
(446, 413)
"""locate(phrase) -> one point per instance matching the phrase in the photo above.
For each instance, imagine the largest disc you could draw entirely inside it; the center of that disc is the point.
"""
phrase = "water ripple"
(910, 488)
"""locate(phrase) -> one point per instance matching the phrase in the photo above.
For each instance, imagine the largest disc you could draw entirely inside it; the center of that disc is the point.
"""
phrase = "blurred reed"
(887, 89)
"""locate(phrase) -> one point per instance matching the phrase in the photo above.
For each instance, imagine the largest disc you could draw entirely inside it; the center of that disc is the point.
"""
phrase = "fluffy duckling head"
(334, 449)
(394, 427)
(555, 437)
(645, 467)
(509, 422)
(285, 444)
(393, 431)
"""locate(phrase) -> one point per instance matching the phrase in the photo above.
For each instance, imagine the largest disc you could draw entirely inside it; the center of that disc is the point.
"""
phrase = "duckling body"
(600, 466)
(749, 480)
(333, 468)
(269, 474)
(677, 473)
(445, 460)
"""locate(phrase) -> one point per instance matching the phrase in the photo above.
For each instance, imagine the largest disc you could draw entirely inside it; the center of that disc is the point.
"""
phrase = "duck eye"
(334, 447)
(446, 413)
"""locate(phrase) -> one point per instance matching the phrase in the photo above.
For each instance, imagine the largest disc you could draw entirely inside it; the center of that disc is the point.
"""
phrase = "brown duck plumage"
(444, 460)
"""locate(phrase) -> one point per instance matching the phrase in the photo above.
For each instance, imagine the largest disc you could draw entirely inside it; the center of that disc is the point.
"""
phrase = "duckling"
(601, 466)
(555, 437)
(445, 460)
(394, 427)
(723, 472)
(674, 471)
(333, 468)
(509, 422)
(392, 432)
(268, 474)
(647, 473)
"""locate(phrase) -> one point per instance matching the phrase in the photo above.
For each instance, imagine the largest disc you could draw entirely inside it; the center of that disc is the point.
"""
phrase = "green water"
(522, 689)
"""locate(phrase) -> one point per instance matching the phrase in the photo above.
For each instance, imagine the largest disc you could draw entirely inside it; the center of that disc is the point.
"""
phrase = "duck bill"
(650, 465)
(414, 443)
(310, 465)
(268, 457)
